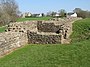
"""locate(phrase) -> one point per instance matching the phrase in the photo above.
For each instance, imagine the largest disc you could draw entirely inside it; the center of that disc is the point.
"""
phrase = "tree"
(82, 13)
(77, 10)
(49, 13)
(53, 13)
(62, 13)
(43, 14)
(88, 14)
(9, 11)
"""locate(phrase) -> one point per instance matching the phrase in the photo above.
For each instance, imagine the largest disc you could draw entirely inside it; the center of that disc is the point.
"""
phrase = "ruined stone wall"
(22, 26)
(35, 38)
(42, 32)
(47, 27)
(11, 40)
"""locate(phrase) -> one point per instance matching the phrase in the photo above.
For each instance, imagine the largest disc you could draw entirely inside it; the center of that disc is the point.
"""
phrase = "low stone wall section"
(11, 40)
(22, 26)
(34, 38)
(47, 27)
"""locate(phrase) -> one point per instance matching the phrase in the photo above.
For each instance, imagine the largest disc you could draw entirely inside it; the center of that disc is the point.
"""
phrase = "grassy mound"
(81, 30)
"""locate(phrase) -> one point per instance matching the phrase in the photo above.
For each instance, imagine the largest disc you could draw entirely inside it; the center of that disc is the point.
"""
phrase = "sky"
(44, 6)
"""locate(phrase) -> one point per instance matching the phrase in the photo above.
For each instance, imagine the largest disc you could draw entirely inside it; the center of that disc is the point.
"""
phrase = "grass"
(2, 29)
(76, 54)
(29, 19)
(81, 30)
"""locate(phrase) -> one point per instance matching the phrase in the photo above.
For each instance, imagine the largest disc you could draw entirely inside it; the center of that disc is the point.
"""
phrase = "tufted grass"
(32, 18)
(2, 29)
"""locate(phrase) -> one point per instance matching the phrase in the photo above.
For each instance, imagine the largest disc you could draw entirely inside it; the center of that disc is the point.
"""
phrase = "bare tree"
(51, 13)
(9, 11)
(62, 12)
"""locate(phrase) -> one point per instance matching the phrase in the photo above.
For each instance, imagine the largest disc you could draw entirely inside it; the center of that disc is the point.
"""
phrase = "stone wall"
(39, 32)
(22, 26)
(35, 38)
(11, 40)
(47, 27)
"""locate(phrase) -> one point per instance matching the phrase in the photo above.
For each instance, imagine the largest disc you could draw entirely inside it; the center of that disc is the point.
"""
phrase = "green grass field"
(76, 54)
(29, 19)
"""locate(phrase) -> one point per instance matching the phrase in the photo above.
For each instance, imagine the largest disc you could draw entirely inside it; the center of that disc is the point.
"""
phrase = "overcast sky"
(39, 6)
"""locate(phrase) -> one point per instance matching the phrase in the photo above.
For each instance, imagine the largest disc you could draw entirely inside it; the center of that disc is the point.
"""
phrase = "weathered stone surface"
(11, 40)
(22, 26)
(35, 38)
(47, 27)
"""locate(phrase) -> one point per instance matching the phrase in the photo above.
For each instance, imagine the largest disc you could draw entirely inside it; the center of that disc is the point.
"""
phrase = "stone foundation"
(39, 32)
(35, 38)
(47, 27)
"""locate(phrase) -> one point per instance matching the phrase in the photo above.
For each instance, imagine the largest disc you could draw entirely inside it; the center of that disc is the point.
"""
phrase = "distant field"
(29, 19)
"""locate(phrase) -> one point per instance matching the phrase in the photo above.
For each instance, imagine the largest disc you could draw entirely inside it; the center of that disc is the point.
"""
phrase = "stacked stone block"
(47, 27)
(35, 38)
(11, 40)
